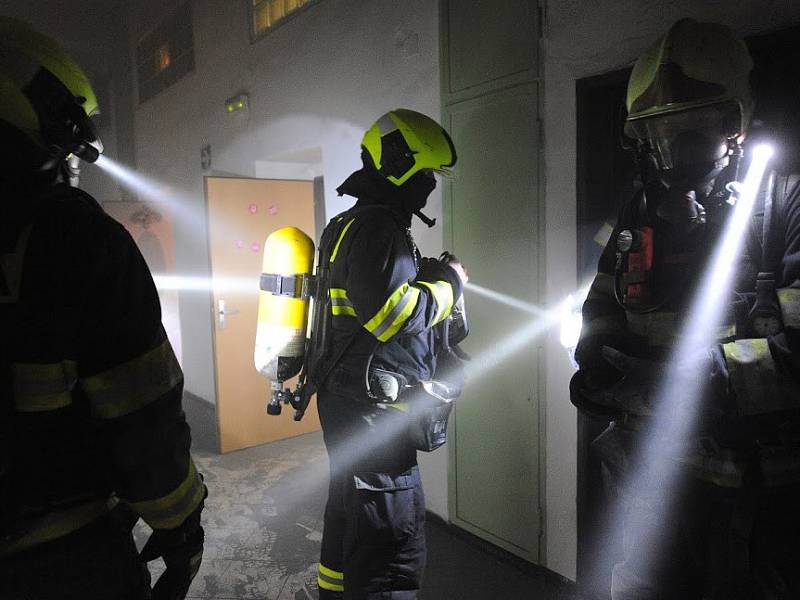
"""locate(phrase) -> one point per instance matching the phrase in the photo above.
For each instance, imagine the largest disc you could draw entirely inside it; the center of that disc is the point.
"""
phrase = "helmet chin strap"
(424, 218)
(414, 195)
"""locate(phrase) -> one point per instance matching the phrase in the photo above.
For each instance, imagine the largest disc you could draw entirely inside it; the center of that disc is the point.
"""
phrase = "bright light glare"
(241, 285)
(496, 354)
(571, 323)
(676, 403)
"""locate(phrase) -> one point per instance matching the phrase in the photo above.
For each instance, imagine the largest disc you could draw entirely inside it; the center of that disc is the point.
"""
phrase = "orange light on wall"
(163, 57)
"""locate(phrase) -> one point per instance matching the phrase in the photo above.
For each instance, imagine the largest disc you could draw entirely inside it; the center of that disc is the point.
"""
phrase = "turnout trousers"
(373, 542)
(708, 550)
(97, 562)
(700, 541)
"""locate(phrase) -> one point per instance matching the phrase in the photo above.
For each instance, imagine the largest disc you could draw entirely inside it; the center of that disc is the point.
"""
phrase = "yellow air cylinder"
(282, 318)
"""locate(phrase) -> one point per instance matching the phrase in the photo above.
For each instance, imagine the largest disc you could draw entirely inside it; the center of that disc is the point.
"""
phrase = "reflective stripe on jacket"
(376, 287)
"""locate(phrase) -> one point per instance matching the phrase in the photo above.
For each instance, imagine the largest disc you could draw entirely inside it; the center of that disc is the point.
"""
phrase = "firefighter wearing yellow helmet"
(728, 530)
(384, 337)
(92, 435)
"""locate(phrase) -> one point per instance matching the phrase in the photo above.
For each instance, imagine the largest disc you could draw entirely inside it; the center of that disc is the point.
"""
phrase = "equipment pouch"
(429, 407)
(428, 428)
(432, 401)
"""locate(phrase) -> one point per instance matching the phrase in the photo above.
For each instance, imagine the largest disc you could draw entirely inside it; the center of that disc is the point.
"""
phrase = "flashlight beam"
(242, 285)
(502, 298)
(145, 186)
(489, 358)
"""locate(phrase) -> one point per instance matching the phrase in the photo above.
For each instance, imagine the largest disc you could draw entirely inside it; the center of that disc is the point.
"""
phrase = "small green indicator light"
(236, 103)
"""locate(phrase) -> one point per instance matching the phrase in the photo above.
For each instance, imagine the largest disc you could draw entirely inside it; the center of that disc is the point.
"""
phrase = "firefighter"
(386, 304)
(730, 527)
(92, 435)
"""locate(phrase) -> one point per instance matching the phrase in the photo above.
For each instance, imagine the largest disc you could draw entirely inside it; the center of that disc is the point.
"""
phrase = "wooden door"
(241, 214)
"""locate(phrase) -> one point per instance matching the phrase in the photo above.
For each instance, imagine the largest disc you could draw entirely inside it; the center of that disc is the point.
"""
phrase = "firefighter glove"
(182, 551)
(637, 391)
(432, 270)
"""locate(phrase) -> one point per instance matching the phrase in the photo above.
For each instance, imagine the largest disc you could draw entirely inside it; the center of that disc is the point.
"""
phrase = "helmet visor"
(688, 137)
(443, 172)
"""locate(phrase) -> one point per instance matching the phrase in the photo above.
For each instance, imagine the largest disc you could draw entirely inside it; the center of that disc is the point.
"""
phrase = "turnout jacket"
(91, 390)
(762, 393)
(385, 298)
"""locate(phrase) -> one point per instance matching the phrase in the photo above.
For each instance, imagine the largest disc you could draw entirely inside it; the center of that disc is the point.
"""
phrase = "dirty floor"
(263, 524)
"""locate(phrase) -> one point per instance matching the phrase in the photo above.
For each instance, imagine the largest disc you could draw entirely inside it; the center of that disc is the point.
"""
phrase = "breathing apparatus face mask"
(414, 192)
(690, 149)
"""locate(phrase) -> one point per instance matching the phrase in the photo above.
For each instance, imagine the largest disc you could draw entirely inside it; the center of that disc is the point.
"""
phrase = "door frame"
(533, 76)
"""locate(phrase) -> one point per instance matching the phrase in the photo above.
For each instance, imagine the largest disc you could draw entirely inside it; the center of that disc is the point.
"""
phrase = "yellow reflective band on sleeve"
(443, 294)
(340, 305)
(789, 299)
(604, 234)
(726, 332)
(43, 387)
(757, 386)
(171, 510)
(339, 241)
(394, 313)
(130, 386)
(330, 580)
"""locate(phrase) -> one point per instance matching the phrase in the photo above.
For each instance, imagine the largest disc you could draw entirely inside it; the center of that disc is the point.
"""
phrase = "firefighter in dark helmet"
(730, 525)
(92, 435)
(386, 302)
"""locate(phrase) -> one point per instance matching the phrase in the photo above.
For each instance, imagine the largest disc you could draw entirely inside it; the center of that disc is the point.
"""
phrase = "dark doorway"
(606, 177)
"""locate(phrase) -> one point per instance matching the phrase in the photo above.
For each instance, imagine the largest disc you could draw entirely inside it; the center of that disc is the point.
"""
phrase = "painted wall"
(315, 84)
(583, 39)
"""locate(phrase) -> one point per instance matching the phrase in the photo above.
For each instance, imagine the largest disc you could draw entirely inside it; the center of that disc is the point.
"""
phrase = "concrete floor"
(263, 524)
